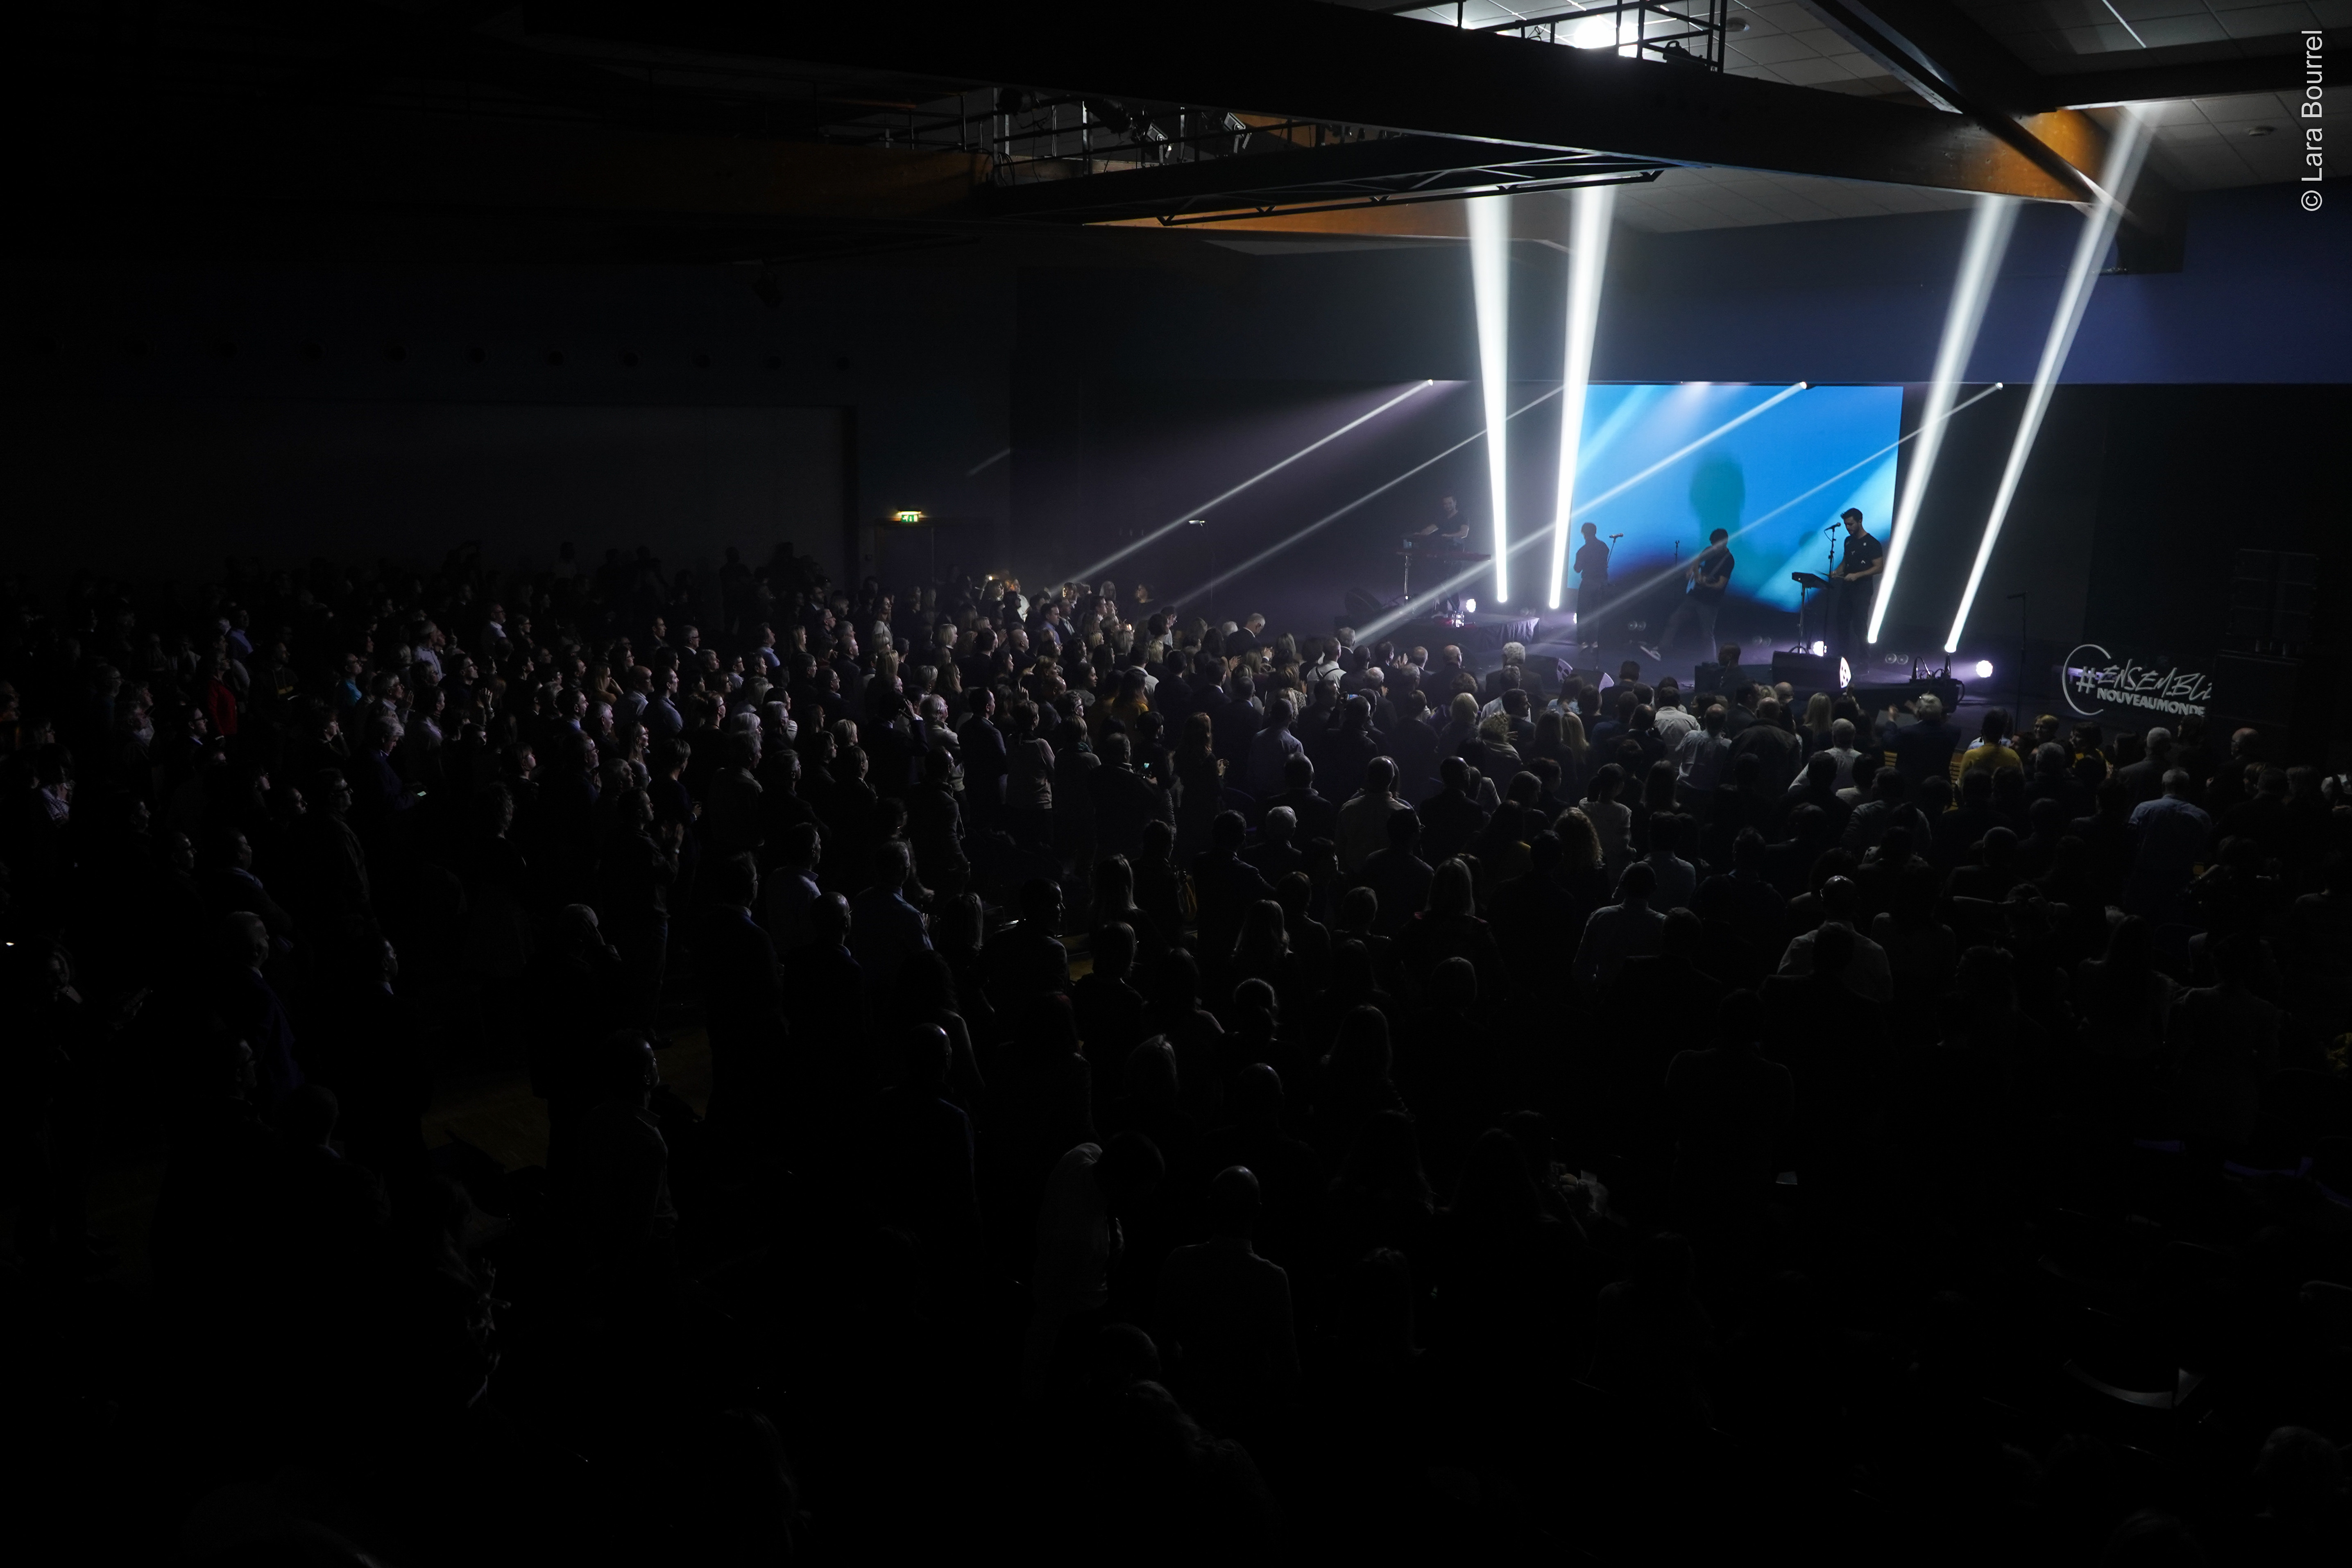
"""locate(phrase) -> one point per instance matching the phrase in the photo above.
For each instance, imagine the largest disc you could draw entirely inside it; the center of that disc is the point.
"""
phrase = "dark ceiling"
(583, 129)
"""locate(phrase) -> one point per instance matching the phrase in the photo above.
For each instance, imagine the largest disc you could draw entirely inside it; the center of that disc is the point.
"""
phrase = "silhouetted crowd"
(1137, 1087)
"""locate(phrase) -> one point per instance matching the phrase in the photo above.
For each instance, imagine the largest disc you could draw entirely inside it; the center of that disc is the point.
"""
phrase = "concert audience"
(502, 1073)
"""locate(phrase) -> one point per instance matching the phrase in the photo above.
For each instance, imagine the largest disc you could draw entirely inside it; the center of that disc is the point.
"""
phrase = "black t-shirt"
(1861, 551)
(1700, 591)
(1592, 565)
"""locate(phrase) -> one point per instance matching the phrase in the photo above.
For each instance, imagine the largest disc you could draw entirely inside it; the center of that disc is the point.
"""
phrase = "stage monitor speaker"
(1806, 672)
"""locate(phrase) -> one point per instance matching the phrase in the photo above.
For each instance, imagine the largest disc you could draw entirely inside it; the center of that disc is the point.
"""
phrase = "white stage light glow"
(1470, 607)
(1989, 232)
(1588, 256)
(1821, 650)
(1629, 592)
(1328, 518)
(1984, 669)
(1455, 584)
(2127, 147)
(1490, 283)
(1192, 514)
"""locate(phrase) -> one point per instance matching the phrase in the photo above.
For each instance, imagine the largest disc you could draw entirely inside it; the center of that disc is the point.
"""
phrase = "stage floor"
(1554, 638)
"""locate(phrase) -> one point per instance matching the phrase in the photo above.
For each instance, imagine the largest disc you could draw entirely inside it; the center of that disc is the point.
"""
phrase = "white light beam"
(2121, 170)
(1091, 572)
(1988, 231)
(1398, 614)
(1490, 283)
(1588, 256)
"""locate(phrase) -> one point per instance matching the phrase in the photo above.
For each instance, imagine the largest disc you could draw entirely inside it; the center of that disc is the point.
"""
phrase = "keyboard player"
(1444, 534)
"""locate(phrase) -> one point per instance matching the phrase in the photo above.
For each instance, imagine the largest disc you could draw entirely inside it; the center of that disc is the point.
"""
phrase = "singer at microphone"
(1856, 577)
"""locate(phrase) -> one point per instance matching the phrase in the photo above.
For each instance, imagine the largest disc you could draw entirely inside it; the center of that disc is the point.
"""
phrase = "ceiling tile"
(1774, 49)
(2241, 109)
(2265, 21)
(1807, 72)
(2172, 111)
(1820, 40)
(2164, 31)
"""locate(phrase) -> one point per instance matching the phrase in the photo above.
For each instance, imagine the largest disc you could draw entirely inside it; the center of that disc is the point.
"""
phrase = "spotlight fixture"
(1470, 607)
(1984, 669)
(1821, 649)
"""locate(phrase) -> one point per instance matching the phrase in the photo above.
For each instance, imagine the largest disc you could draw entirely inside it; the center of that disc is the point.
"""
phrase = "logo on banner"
(2096, 680)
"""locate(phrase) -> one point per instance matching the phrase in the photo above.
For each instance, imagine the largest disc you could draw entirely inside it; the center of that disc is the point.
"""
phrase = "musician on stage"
(1856, 579)
(1446, 534)
(1709, 577)
(1591, 586)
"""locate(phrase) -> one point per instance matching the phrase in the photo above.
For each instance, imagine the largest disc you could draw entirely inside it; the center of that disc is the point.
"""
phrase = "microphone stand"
(2017, 712)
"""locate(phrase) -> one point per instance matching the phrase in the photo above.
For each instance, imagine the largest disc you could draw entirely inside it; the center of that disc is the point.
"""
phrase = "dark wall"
(2261, 298)
(940, 362)
(680, 384)
(281, 480)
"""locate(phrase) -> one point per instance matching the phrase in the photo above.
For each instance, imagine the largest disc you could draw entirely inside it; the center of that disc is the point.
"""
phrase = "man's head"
(1720, 536)
(627, 1070)
(1852, 518)
(1840, 898)
(1234, 1202)
(1591, 531)
(249, 939)
(2176, 782)
(2159, 742)
(1281, 825)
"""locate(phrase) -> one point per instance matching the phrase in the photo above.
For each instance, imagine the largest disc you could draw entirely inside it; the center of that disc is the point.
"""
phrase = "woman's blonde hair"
(1580, 845)
(1463, 707)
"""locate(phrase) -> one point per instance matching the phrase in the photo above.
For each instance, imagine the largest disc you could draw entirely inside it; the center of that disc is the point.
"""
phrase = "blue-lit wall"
(1776, 483)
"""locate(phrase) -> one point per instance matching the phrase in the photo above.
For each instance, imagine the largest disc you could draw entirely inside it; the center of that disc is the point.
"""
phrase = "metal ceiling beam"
(1938, 53)
(1312, 61)
(1941, 54)
(1249, 179)
(2181, 70)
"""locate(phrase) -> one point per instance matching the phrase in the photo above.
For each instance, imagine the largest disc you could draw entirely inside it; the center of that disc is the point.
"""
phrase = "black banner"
(2098, 682)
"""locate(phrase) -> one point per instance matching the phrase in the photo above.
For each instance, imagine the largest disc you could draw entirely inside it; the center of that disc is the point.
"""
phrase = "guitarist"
(1708, 577)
